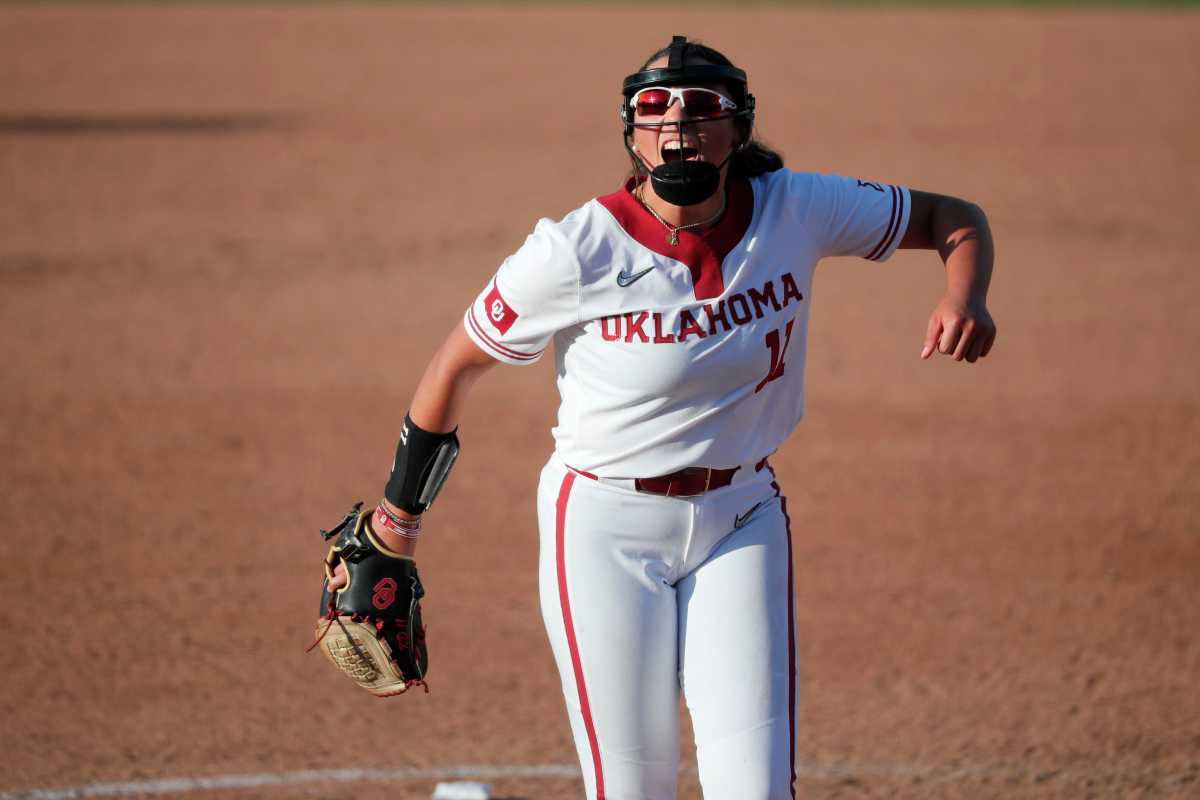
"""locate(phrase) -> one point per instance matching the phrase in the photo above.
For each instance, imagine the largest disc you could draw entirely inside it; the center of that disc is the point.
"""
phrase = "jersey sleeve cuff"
(497, 350)
(897, 225)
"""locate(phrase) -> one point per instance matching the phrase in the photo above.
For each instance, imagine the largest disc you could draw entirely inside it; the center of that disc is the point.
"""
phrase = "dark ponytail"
(753, 159)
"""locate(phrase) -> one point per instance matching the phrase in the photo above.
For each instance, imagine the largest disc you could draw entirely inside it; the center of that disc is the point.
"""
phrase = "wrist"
(966, 295)
(399, 545)
(396, 530)
(396, 511)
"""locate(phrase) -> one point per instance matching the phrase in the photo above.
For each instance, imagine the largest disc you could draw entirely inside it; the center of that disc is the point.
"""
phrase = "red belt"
(687, 482)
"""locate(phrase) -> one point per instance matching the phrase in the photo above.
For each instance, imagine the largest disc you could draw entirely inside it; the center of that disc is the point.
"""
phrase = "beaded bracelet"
(404, 522)
(393, 523)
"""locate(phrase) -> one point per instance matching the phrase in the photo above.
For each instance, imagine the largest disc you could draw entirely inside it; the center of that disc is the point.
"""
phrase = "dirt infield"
(230, 237)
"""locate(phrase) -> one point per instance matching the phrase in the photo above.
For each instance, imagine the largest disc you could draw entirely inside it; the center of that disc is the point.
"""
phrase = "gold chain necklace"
(673, 230)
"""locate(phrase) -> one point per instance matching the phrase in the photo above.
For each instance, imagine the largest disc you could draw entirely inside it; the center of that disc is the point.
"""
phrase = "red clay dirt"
(231, 237)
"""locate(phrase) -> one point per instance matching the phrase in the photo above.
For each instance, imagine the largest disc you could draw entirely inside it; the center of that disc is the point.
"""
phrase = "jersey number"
(778, 354)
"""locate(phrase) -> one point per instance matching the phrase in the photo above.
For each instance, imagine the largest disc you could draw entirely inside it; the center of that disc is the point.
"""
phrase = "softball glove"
(371, 628)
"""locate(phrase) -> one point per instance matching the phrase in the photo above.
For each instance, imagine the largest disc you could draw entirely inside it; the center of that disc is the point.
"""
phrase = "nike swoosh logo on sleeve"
(625, 278)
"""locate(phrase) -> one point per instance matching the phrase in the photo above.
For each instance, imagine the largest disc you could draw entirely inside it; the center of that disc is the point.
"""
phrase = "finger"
(339, 577)
(965, 340)
(950, 336)
(987, 348)
(976, 347)
(932, 332)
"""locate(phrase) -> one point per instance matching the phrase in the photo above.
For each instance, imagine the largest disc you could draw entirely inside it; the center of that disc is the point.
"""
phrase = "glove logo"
(385, 593)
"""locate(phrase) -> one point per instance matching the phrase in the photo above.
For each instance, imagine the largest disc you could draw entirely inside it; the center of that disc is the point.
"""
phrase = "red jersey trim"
(703, 253)
(508, 352)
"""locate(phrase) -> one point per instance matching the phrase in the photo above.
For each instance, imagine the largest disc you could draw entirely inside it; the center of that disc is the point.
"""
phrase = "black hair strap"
(677, 56)
(691, 74)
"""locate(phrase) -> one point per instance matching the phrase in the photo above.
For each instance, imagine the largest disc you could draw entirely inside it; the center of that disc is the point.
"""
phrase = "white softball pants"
(643, 595)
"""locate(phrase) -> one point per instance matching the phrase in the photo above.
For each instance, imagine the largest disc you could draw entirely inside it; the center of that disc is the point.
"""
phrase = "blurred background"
(231, 235)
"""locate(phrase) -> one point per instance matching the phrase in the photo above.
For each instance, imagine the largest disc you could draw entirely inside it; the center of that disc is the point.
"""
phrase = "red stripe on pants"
(791, 636)
(560, 528)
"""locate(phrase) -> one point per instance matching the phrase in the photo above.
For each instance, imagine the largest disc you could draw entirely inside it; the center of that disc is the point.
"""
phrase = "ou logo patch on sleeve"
(499, 312)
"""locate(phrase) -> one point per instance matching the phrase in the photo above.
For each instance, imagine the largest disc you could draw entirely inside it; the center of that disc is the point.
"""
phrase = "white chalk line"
(162, 786)
(261, 779)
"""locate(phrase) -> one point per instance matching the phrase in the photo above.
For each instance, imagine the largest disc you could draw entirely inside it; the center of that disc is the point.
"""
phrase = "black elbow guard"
(423, 461)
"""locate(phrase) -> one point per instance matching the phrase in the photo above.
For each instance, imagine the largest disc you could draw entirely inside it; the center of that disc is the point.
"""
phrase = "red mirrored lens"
(653, 102)
(697, 102)
(701, 104)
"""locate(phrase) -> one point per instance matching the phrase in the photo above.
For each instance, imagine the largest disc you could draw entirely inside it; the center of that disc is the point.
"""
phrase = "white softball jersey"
(672, 356)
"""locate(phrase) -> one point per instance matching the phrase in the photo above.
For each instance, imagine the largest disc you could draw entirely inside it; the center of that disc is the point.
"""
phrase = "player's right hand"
(339, 577)
(958, 329)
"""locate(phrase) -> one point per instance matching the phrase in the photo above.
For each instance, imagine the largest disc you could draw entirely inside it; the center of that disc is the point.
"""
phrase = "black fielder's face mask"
(685, 182)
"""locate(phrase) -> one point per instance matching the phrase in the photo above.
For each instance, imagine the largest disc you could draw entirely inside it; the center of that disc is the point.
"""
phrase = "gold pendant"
(673, 238)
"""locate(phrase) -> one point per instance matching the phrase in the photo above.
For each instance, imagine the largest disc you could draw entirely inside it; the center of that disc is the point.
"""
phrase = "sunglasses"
(697, 102)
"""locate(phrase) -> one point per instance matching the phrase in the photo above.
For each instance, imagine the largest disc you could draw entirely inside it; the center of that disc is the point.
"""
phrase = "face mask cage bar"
(679, 73)
(685, 183)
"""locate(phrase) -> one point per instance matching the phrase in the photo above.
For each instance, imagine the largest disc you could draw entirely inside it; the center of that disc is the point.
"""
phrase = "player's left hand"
(371, 626)
(964, 330)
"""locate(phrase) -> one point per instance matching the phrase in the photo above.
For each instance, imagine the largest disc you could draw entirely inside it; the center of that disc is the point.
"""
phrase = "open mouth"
(679, 151)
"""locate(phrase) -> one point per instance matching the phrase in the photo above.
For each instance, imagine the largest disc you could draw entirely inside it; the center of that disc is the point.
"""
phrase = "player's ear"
(747, 128)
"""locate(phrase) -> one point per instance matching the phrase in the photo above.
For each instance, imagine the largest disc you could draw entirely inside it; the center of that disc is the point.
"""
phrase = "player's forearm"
(442, 391)
(437, 406)
(964, 241)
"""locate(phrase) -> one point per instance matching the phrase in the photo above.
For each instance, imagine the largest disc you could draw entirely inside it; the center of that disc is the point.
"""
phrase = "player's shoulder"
(554, 242)
(805, 180)
(599, 233)
(569, 233)
(792, 193)
(813, 194)
(567, 250)
(795, 183)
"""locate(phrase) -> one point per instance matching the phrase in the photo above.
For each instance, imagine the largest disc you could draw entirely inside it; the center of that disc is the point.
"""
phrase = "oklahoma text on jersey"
(705, 320)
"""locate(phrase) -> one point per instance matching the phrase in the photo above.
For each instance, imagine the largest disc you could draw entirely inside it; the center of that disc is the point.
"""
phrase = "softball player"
(678, 307)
